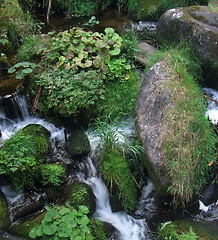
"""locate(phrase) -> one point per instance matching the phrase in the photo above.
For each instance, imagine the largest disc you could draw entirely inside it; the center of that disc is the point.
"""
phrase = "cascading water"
(212, 110)
(127, 226)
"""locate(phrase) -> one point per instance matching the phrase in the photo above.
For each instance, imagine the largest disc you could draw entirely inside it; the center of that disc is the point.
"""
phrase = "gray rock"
(146, 50)
(200, 26)
(152, 105)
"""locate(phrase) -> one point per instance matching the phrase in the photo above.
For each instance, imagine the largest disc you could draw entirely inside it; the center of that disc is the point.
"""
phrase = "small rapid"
(212, 110)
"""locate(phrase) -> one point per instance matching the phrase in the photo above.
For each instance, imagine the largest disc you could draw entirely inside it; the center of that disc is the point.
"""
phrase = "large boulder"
(199, 25)
(151, 106)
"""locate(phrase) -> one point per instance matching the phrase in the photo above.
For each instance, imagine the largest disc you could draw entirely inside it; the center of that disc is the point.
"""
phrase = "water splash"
(212, 110)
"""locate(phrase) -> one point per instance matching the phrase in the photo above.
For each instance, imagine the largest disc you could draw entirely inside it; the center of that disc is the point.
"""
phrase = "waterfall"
(212, 110)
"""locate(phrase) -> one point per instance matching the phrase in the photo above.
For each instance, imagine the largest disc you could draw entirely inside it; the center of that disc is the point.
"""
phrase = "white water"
(212, 111)
(128, 227)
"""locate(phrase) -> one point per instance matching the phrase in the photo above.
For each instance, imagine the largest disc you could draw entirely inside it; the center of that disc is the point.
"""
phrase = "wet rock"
(199, 26)
(201, 229)
(152, 105)
(6, 236)
(77, 193)
(77, 145)
(4, 213)
(22, 229)
(26, 205)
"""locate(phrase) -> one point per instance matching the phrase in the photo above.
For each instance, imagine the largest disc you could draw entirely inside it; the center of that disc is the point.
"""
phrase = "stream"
(127, 226)
(17, 116)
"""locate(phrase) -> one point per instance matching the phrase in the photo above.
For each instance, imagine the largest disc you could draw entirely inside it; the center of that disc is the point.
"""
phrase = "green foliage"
(52, 174)
(153, 9)
(116, 173)
(169, 232)
(114, 162)
(120, 97)
(97, 229)
(63, 222)
(92, 22)
(190, 141)
(85, 65)
(68, 93)
(20, 156)
(22, 69)
(14, 22)
(31, 48)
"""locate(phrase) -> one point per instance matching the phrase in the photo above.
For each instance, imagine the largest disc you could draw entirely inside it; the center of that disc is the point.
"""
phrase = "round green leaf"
(84, 209)
(51, 215)
(49, 229)
(32, 233)
(64, 211)
(39, 231)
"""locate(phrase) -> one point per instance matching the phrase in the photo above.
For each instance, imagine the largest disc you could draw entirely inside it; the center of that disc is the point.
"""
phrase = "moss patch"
(4, 213)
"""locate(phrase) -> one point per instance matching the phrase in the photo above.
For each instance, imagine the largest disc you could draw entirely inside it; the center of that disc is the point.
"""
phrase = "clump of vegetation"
(189, 144)
(62, 222)
(14, 22)
(52, 174)
(114, 164)
(153, 9)
(21, 156)
(78, 67)
(168, 232)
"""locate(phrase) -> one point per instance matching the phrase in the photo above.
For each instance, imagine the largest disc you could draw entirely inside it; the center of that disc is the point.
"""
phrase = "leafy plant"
(52, 174)
(22, 69)
(84, 64)
(63, 222)
(92, 22)
(20, 157)
(68, 93)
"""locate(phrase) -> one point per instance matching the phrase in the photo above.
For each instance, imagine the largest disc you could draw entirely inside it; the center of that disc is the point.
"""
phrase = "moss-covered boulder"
(77, 193)
(77, 144)
(199, 26)
(23, 228)
(4, 213)
(188, 229)
(178, 141)
(22, 154)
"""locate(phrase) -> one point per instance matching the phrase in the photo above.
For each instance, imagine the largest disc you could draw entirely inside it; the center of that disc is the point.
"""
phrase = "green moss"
(23, 153)
(22, 229)
(187, 230)
(4, 213)
(189, 145)
(117, 175)
(80, 194)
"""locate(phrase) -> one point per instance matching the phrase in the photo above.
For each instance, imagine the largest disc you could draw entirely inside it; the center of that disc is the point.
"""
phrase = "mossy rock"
(78, 193)
(144, 9)
(197, 25)
(77, 144)
(23, 228)
(202, 230)
(25, 151)
(4, 213)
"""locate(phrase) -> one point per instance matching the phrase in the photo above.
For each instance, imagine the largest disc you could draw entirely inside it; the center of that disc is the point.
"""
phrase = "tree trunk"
(49, 8)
